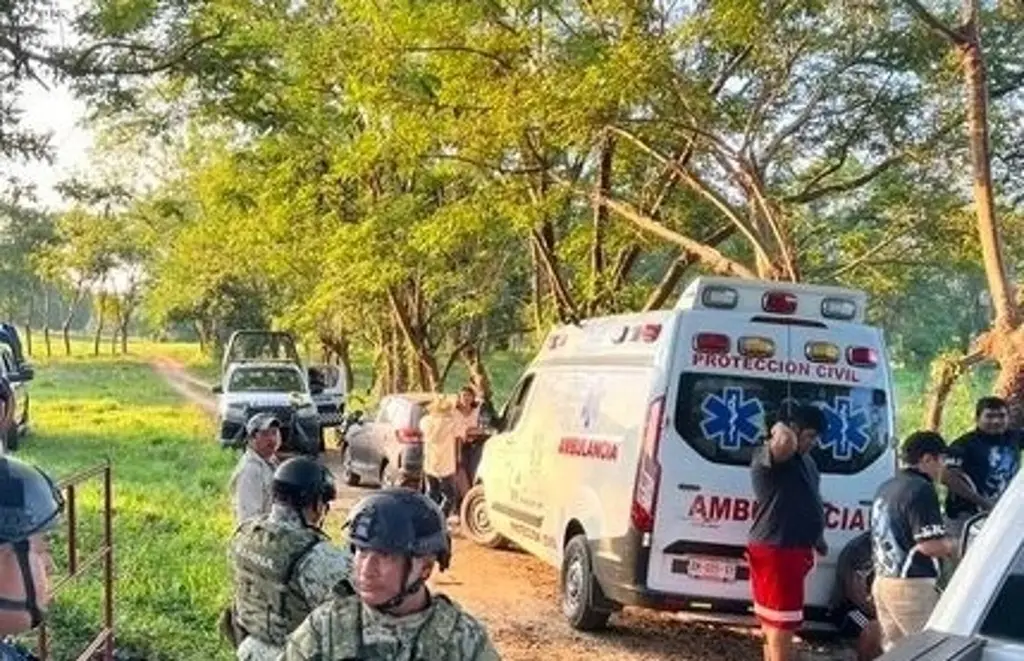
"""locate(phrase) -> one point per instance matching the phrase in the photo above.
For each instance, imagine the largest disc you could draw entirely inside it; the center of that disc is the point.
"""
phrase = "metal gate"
(104, 640)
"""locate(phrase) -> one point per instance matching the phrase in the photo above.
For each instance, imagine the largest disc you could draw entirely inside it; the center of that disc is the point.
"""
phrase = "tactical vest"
(344, 640)
(269, 603)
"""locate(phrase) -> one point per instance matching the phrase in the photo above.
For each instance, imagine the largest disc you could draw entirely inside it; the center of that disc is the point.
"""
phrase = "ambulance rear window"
(724, 417)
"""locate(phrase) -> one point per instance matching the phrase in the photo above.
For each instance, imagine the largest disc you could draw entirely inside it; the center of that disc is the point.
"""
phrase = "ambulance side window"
(516, 404)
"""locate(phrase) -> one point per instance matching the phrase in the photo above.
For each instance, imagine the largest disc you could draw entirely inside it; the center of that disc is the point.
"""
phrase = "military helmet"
(305, 480)
(30, 503)
(400, 521)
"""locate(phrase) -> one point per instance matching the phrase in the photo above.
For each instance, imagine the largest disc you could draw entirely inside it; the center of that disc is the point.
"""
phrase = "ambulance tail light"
(779, 302)
(711, 343)
(648, 473)
(409, 435)
(756, 347)
(821, 352)
(650, 332)
(862, 356)
(722, 298)
(838, 308)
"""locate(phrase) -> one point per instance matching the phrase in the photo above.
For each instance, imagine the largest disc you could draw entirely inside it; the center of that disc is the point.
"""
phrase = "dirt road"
(516, 596)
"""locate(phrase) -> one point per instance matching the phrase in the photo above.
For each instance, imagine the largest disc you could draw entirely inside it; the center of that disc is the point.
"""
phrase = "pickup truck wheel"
(579, 588)
(347, 472)
(475, 522)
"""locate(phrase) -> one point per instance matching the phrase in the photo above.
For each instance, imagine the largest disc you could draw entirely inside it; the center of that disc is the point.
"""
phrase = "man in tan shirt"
(253, 479)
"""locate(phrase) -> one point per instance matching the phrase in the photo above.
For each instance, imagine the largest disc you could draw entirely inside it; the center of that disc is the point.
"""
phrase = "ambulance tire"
(579, 587)
(475, 523)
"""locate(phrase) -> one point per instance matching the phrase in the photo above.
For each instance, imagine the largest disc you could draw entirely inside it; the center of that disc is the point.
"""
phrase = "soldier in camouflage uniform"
(284, 565)
(30, 506)
(397, 536)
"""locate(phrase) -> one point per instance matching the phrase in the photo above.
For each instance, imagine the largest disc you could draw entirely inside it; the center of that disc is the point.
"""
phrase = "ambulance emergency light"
(781, 299)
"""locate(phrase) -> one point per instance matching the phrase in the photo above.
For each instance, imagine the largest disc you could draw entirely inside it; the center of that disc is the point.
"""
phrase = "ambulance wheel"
(580, 590)
(475, 523)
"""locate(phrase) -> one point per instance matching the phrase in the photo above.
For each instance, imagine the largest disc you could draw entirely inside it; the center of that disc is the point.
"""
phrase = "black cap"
(304, 481)
(400, 521)
(922, 443)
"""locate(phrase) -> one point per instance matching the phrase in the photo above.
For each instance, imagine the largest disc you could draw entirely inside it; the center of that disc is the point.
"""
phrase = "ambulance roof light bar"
(720, 297)
(779, 302)
(824, 302)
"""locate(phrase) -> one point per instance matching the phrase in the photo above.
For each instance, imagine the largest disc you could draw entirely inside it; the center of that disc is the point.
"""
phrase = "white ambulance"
(622, 456)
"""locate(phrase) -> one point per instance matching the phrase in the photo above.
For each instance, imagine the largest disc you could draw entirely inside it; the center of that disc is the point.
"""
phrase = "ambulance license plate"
(711, 569)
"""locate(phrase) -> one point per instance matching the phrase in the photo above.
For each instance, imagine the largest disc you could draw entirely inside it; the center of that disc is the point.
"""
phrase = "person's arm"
(303, 644)
(322, 571)
(955, 479)
(927, 526)
(248, 495)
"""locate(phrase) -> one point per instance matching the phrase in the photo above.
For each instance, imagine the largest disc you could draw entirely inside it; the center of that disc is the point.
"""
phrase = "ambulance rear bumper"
(622, 575)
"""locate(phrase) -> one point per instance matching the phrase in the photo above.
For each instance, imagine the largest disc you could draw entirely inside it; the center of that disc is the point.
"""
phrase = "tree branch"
(678, 268)
(701, 188)
(715, 260)
(937, 26)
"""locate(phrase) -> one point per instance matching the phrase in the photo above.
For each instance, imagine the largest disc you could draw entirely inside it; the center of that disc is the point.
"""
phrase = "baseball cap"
(922, 443)
(261, 422)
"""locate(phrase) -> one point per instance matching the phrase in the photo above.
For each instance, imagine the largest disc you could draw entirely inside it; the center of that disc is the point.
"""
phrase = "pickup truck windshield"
(266, 379)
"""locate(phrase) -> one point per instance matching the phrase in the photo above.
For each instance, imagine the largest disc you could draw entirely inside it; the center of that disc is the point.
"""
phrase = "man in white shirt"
(253, 479)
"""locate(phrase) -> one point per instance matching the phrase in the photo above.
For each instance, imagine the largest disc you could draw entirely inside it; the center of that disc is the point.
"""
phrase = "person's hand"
(782, 442)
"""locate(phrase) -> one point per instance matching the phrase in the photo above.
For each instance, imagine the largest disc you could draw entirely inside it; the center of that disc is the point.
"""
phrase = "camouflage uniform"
(320, 574)
(345, 629)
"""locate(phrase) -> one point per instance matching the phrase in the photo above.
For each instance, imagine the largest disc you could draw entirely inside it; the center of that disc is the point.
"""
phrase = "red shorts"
(777, 579)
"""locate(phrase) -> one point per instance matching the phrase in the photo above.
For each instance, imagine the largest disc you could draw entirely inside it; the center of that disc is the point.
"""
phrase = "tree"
(1005, 340)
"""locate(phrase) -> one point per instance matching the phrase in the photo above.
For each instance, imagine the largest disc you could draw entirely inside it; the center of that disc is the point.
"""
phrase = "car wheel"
(9, 437)
(383, 479)
(579, 588)
(475, 523)
(347, 471)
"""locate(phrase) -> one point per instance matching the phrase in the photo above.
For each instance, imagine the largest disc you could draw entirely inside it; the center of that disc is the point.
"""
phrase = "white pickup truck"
(980, 616)
(261, 372)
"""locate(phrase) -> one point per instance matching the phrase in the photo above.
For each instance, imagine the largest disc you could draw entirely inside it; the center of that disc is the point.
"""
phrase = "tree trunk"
(46, 322)
(28, 324)
(124, 338)
(100, 318)
(478, 375)
(972, 60)
(429, 375)
(597, 257)
(537, 290)
(945, 371)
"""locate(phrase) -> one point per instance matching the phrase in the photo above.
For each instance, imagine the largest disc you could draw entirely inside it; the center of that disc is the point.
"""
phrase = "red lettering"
(698, 358)
(857, 520)
(698, 508)
(578, 447)
(721, 508)
(832, 516)
(741, 509)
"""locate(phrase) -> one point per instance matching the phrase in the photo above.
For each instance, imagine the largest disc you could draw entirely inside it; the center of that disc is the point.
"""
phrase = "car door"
(7, 369)
(362, 440)
(329, 396)
(507, 453)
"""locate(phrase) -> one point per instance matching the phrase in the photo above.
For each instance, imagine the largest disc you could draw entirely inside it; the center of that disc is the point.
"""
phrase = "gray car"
(385, 447)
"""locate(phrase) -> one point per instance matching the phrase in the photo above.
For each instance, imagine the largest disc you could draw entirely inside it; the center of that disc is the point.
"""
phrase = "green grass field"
(173, 516)
(172, 511)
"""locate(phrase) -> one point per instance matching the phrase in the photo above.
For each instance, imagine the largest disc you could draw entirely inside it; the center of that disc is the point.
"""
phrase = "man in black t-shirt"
(788, 527)
(853, 608)
(908, 536)
(980, 464)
